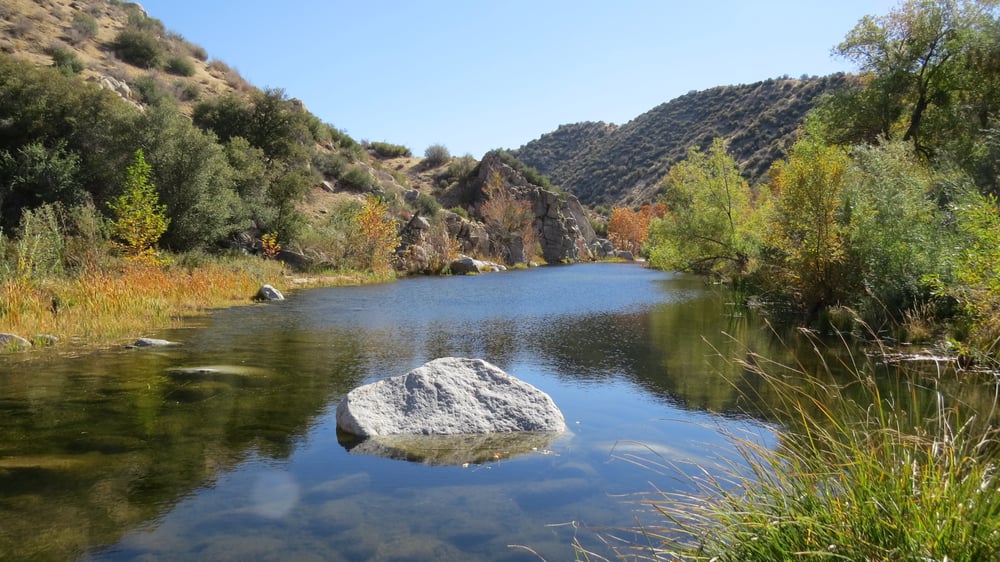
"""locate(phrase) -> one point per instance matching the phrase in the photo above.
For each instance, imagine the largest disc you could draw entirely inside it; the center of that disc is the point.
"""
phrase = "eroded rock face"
(560, 223)
(448, 396)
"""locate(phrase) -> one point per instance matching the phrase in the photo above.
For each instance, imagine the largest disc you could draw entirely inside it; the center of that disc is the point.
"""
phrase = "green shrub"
(427, 205)
(151, 91)
(331, 165)
(180, 65)
(357, 178)
(65, 60)
(388, 150)
(459, 168)
(198, 52)
(187, 91)
(138, 48)
(436, 155)
(460, 211)
(40, 244)
(84, 27)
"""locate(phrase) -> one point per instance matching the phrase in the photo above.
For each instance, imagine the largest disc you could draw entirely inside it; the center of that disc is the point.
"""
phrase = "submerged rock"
(448, 396)
(151, 342)
(11, 341)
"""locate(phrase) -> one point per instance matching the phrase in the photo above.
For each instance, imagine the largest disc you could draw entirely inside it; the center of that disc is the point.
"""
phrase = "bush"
(187, 91)
(84, 27)
(388, 150)
(138, 48)
(357, 179)
(65, 60)
(427, 205)
(151, 91)
(330, 165)
(436, 155)
(180, 65)
(198, 52)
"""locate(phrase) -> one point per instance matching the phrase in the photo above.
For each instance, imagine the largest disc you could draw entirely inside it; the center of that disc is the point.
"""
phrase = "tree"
(710, 224)
(897, 238)
(628, 229)
(808, 228)
(140, 219)
(916, 62)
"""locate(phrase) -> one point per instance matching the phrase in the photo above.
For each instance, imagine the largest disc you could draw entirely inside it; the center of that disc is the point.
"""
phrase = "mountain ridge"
(622, 165)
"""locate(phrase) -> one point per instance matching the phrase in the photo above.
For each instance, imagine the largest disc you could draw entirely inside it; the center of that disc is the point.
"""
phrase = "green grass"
(857, 474)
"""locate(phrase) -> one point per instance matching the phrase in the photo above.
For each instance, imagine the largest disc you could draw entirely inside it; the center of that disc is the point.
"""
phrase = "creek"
(225, 447)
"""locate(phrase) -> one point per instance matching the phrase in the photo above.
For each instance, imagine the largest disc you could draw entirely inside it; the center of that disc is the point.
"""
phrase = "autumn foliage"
(628, 229)
(376, 237)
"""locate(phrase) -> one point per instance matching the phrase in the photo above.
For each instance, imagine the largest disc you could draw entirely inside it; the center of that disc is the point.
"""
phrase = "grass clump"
(858, 473)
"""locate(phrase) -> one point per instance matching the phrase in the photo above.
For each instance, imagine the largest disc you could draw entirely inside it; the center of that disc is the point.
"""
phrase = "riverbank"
(111, 306)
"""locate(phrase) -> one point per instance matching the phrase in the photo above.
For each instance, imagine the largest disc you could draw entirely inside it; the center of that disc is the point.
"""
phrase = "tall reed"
(102, 306)
(857, 473)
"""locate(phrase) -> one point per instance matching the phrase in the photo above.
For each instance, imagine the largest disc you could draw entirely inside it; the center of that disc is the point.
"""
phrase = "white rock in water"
(448, 396)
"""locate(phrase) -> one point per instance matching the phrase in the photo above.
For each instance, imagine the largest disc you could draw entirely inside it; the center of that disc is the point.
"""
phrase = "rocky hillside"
(85, 38)
(622, 165)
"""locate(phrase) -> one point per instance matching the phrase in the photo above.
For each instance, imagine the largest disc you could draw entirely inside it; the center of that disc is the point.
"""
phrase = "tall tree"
(709, 224)
(916, 61)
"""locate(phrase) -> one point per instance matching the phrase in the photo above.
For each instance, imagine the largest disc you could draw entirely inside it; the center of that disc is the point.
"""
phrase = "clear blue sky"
(476, 75)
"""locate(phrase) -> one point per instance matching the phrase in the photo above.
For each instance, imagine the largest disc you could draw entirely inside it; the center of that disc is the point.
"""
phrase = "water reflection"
(454, 450)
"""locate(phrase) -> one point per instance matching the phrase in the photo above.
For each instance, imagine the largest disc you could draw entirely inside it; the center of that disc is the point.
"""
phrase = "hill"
(86, 38)
(622, 165)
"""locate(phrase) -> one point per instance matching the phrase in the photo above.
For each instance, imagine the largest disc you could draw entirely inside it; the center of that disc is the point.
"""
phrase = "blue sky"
(476, 75)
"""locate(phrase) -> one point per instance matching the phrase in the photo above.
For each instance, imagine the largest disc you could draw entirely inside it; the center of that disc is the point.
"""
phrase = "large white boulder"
(448, 396)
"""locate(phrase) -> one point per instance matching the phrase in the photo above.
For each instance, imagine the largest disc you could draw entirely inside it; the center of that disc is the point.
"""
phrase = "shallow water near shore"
(225, 447)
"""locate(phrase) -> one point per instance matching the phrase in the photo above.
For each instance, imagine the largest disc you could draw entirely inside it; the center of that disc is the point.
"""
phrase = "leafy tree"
(34, 175)
(808, 229)
(711, 224)
(140, 219)
(193, 178)
(897, 239)
(917, 61)
(977, 269)
(628, 229)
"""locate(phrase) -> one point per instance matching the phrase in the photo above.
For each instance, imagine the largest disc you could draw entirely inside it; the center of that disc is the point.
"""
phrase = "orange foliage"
(629, 229)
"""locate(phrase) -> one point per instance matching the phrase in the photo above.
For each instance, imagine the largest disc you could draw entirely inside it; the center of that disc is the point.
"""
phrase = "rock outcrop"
(561, 225)
(448, 396)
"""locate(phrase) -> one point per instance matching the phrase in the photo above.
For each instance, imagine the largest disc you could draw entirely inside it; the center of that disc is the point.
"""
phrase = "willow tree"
(711, 224)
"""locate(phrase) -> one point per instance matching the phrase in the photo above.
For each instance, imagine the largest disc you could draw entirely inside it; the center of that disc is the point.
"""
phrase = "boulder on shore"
(268, 293)
(448, 396)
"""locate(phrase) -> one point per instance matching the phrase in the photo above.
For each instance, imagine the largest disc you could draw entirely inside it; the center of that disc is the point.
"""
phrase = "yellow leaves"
(140, 219)
(269, 245)
(376, 237)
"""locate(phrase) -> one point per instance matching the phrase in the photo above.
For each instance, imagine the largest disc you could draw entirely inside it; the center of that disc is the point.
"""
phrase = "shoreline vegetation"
(113, 306)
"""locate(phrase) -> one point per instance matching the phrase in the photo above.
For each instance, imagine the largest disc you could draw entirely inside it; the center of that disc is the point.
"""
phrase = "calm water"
(125, 455)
